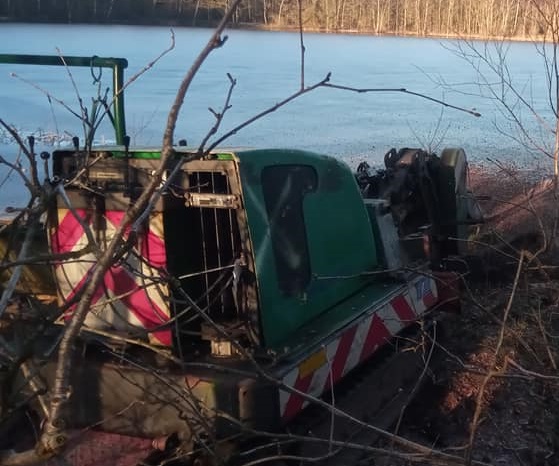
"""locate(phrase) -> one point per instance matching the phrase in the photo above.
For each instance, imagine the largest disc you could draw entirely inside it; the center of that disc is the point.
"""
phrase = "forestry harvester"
(254, 282)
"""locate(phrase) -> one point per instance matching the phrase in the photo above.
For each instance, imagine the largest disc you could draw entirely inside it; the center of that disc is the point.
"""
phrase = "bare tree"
(520, 118)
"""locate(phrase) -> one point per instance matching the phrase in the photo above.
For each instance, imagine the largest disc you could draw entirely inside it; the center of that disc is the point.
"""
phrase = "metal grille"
(219, 246)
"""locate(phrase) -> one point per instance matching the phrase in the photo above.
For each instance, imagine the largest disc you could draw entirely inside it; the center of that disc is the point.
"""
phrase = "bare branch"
(529, 373)
(404, 91)
(53, 438)
(133, 341)
(48, 95)
(269, 110)
(219, 116)
(21, 173)
(48, 258)
(33, 184)
(151, 64)
(31, 230)
(479, 399)
(84, 119)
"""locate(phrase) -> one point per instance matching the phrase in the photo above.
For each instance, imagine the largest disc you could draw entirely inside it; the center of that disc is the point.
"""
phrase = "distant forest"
(472, 18)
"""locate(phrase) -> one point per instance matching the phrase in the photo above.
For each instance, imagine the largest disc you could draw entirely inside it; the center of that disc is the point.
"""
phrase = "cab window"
(285, 187)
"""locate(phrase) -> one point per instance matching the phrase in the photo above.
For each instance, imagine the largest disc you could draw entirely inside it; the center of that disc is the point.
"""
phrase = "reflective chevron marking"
(124, 301)
(355, 344)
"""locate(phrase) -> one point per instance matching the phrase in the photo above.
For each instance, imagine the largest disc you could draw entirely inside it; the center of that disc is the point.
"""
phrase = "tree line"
(472, 18)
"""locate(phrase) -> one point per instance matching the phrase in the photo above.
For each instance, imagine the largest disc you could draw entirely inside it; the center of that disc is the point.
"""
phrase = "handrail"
(116, 64)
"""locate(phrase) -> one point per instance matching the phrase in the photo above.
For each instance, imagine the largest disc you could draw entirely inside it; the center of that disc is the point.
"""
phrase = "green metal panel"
(339, 237)
(340, 316)
(120, 152)
(155, 153)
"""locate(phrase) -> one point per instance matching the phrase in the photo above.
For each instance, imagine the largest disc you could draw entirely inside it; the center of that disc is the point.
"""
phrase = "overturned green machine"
(269, 274)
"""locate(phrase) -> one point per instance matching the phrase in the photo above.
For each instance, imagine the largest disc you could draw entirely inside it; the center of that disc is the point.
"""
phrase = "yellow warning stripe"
(312, 363)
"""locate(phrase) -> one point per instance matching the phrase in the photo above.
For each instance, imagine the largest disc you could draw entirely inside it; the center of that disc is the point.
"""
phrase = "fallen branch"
(529, 373)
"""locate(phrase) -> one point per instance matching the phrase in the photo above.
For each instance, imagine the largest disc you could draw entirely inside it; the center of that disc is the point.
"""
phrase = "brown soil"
(518, 205)
(519, 422)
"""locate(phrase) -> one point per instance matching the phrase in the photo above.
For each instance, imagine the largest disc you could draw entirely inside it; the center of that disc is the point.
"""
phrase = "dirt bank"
(518, 405)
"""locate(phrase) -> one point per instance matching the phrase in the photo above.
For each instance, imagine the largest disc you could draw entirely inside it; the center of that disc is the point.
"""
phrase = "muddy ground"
(519, 406)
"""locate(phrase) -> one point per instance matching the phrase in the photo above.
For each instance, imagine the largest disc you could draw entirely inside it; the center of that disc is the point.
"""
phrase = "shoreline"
(292, 29)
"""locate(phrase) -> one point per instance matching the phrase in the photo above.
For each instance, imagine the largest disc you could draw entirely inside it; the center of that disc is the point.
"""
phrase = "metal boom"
(116, 64)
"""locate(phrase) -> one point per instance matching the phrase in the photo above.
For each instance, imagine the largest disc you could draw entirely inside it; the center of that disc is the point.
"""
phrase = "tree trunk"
(278, 21)
(377, 18)
(405, 18)
(69, 10)
(515, 21)
(110, 9)
(449, 18)
(195, 14)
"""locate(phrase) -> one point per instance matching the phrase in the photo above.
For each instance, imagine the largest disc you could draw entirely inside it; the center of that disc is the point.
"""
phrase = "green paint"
(339, 238)
(137, 154)
(225, 156)
(340, 316)
(155, 153)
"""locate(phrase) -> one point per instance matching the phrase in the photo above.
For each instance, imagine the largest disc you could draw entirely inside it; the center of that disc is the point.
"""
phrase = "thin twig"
(268, 111)
(151, 64)
(404, 91)
(219, 116)
(420, 380)
(538, 316)
(87, 127)
(133, 78)
(479, 399)
(529, 373)
(91, 242)
(30, 232)
(32, 184)
(48, 259)
(48, 95)
(132, 341)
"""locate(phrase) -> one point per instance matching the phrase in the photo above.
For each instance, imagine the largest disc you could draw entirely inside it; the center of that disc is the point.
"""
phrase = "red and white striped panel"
(131, 295)
(355, 344)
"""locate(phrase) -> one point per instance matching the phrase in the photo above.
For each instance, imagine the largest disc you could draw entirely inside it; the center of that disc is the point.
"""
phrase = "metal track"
(375, 393)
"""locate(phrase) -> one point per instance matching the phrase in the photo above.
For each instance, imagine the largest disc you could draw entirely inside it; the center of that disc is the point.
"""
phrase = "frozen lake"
(266, 66)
